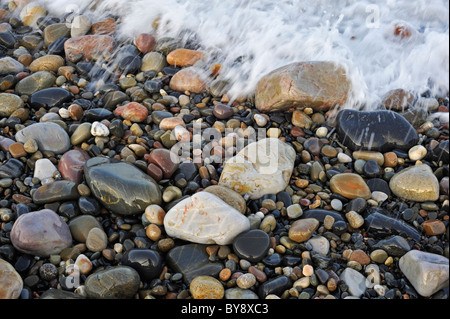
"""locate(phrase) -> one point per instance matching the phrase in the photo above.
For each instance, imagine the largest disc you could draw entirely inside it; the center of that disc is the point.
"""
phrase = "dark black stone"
(68, 209)
(116, 128)
(48, 98)
(84, 68)
(357, 205)
(339, 227)
(130, 64)
(60, 190)
(97, 114)
(383, 226)
(192, 261)
(322, 275)
(441, 152)
(291, 261)
(380, 131)
(89, 206)
(148, 263)
(320, 214)
(114, 98)
(7, 39)
(252, 245)
(409, 214)
(274, 286)
(371, 169)
(380, 185)
(158, 116)
(152, 86)
(188, 169)
(11, 169)
(285, 198)
(320, 261)
(273, 260)
(57, 46)
(395, 246)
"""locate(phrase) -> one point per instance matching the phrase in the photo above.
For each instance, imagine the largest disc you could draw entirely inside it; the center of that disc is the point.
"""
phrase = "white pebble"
(260, 120)
(294, 211)
(259, 214)
(99, 129)
(380, 290)
(336, 204)
(417, 152)
(64, 113)
(322, 131)
(379, 197)
(44, 169)
(344, 158)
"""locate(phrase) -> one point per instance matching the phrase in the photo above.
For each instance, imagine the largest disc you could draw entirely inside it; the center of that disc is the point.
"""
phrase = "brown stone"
(206, 287)
(75, 112)
(105, 27)
(301, 230)
(184, 57)
(145, 42)
(189, 79)
(301, 119)
(390, 159)
(360, 257)
(222, 111)
(165, 160)
(132, 111)
(171, 122)
(350, 186)
(398, 100)
(433, 227)
(319, 85)
(155, 172)
(88, 46)
(17, 150)
(71, 165)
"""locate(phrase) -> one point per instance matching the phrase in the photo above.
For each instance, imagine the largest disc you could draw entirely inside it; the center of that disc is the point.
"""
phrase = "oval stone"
(48, 98)
(350, 186)
(121, 187)
(416, 183)
(60, 190)
(252, 245)
(49, 63)
(40, 233)
(148, 263)
(118, 282)
(49, 137)
(35, 82)
(206, 287)
(11, 283)
(71, 165)
(301, 230)
(380, 131)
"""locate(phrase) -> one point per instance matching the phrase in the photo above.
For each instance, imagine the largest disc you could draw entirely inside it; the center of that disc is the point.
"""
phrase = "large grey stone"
(48, 136)
(427, 272)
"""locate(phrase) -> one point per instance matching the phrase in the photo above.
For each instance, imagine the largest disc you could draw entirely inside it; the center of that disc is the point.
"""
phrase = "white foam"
(357, 34)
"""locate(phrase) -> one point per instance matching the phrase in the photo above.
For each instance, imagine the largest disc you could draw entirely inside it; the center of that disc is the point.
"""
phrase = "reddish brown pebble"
(145, 42)
(17, 150)
(259, 275)
(155, 172)
(360, 257)
(433, 227)
(225, 274)
(75, 112)
(132, 111)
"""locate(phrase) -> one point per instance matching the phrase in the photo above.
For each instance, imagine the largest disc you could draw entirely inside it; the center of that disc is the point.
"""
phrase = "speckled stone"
(11, 282)
(206, 287)
(416, 183)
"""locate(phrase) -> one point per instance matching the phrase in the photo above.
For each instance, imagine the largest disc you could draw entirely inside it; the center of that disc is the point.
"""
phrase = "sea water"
(384, 44)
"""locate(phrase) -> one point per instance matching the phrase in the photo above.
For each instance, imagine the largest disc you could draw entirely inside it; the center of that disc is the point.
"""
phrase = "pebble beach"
(128, 171)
